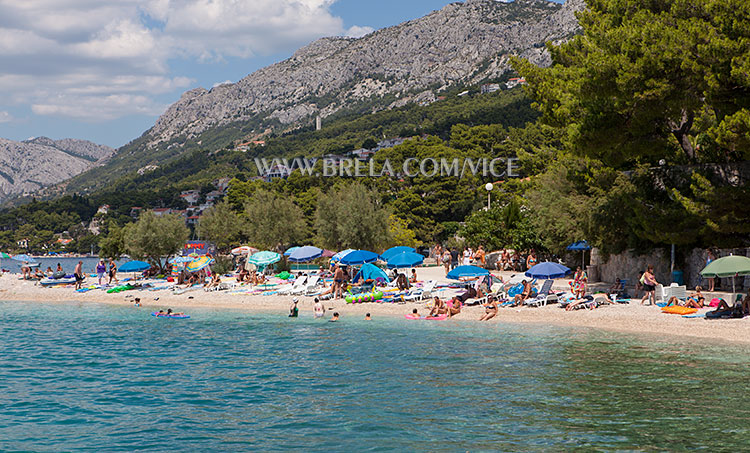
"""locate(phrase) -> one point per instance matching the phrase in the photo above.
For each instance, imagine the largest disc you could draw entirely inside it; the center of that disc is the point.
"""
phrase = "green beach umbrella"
(264, 258)
(728, 266)
(4, 255)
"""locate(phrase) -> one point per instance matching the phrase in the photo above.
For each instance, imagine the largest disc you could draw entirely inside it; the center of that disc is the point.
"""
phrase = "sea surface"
(111, 378)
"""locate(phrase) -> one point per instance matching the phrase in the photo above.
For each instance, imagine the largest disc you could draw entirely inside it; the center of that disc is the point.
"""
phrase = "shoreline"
(630, 318)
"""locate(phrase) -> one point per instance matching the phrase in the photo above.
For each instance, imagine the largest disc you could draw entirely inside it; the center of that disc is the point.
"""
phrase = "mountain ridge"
(412, 62)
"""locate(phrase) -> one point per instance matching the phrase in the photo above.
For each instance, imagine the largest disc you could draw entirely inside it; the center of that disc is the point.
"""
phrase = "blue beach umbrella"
(337, 257)
(180, 260)
(264, 258)
(388, 254)
(370, 271)
(582, 246)
(467, 271)
(290, 250)
(359, 257)
(135, 266)
(405, 259)
(24, 257)
(547, 270)
(305, 253)
(199, 264)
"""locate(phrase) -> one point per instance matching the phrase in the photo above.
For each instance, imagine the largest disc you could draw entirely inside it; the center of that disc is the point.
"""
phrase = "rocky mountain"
(39, 162)
(463, 43)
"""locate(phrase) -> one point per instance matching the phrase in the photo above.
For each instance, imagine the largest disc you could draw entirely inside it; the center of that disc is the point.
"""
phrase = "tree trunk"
(680, 132)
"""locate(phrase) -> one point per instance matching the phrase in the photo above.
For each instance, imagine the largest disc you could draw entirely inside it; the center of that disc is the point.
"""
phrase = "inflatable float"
(679, 310)
(426, 318)
(364, 297)
(64, 280)
(164, 315)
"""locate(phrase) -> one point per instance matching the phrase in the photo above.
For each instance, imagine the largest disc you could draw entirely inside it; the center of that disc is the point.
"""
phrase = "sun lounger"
(421, 294)
(298, 285)
(543, 297)
(310, 285)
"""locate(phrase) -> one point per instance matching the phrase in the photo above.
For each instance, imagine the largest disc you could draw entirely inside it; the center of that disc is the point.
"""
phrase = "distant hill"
(414, 62)
(40, 162)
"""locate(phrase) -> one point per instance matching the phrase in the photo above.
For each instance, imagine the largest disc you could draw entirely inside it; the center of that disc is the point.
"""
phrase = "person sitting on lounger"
(214, 283)
(525, 294)
(438, 308)
(454, 307)
(413, 278)
(585, 302)
(490, 309)
(616, 287)
(402, 282)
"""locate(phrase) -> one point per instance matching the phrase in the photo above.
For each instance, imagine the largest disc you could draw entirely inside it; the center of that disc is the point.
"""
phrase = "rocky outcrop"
(35, 163)
(461, 43)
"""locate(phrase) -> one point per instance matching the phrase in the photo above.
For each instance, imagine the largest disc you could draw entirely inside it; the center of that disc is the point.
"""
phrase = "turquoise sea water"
(108, 378)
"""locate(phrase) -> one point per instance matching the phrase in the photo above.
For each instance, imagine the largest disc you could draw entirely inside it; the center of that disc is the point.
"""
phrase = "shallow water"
(100, 377)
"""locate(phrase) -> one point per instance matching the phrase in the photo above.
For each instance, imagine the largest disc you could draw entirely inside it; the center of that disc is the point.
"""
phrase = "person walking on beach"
(709, 258)
(447, 260)
(579, 283)
(454, 258)
(78, 274)
(112, 272)
(101, 269)
(649, 285)
(338, 282)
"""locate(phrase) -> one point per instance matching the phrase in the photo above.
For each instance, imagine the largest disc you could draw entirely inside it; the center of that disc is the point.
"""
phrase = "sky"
(104, 70)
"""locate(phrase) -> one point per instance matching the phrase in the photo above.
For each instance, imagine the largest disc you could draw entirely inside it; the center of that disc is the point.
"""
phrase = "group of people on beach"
(509, 260)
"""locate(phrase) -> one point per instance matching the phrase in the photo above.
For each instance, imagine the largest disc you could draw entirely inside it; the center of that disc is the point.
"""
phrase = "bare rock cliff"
(461, 43)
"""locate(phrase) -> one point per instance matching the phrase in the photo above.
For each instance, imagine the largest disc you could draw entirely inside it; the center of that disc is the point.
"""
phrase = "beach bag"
(642, 280)
(714, 302)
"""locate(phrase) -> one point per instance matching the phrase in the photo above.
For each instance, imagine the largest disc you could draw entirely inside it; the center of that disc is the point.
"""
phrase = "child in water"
(294, 310)
(367, 317)
(334, 318)
(138, 302)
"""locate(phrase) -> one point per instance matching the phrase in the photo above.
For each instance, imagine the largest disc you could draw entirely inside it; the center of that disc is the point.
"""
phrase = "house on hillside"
(277, 171)
(222, 184)
(162, 211)
(243, 147)
(190, 196)
(363, 154)
(515, 81)
(389, 143)
(135, 212)
(103, 209)
(489, 88)
(214, 195)
(192, 220)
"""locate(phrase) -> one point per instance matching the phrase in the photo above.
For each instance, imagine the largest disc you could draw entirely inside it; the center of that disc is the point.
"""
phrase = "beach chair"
(543, 296)
(298, 285)
(422, 293)
(309, 286)
(663, 293)
(678, 291)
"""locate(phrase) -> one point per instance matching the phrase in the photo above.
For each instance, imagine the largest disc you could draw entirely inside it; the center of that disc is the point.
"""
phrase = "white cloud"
(5, 117)
(218, 84)
(358, 32)
(100, 59)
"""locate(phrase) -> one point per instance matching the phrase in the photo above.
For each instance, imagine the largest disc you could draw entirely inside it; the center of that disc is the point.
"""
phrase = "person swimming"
(367, 317)
(138, 302)
(334, 318)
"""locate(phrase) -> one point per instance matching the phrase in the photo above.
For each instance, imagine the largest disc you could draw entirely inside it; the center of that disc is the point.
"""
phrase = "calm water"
(96, 377)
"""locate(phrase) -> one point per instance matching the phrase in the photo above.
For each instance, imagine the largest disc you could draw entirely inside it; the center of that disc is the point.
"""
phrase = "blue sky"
(104, 70)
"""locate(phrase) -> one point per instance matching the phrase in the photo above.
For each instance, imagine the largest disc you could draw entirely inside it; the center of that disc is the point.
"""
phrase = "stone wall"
(630, 266)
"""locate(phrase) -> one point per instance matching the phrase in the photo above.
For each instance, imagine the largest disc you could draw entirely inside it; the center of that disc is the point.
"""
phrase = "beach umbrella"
(359, 257)
(305, 253)
(290, 250)
(135, 266)
(337, 257)
(180, 260)
(264, 258)
(547, 270)
(244, 250)
(199, 263)
(328, 254)
(582, 246)
(24, 257)
(4, 255)
(385, 256)
(728, 266)
(467, 271)
(371, 271)
(405, 259)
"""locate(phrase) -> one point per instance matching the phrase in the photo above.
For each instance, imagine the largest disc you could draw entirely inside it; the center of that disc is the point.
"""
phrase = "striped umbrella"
(199, 264)
(264, 258)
